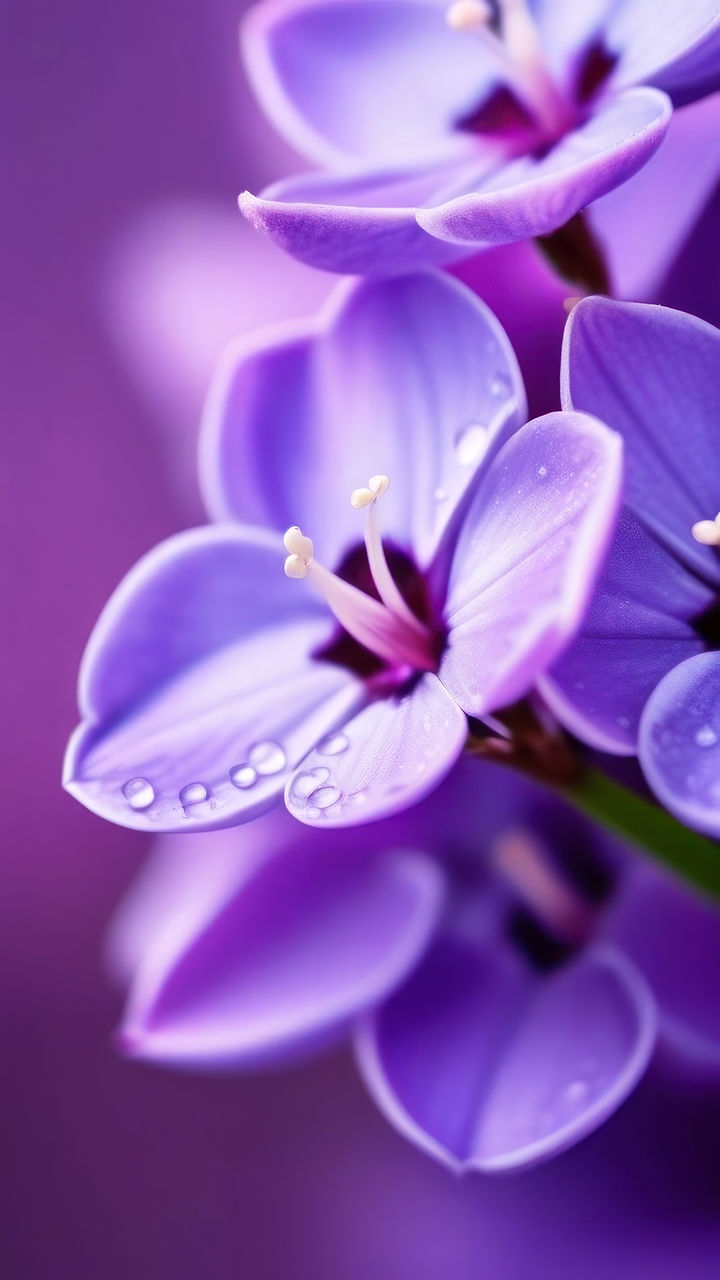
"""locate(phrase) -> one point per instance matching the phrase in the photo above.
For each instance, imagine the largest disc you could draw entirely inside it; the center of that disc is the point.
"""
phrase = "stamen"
(524, 862)
(464, 15)
(707, 532)
(379, 568)
(372, 624)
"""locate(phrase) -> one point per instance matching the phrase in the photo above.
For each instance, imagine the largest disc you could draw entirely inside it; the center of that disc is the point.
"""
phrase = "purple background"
(114, 1170)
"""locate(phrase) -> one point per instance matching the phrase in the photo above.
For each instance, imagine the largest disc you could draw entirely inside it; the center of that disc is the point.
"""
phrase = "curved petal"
(528, 556)
(675, 46)
(650, 909)
(679, 179)
(487, 1065)
(390, 756)
(653, 375)
(411, 378)
(303, 942)
(198, 687)
(680, 742)
(532, 197)
(637, 628)
(385, 80)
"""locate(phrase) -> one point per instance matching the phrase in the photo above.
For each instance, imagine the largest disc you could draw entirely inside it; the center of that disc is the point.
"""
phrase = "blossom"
(210, 677)
(501, 982)
(448, 129)
(644, 674)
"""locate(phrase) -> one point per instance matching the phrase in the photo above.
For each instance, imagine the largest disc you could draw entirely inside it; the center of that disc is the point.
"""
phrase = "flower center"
(386, 626)
(707, 532)
(510, 36)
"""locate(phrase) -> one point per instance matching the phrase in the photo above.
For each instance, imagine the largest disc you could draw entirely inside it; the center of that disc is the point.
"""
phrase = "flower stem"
(574, 253)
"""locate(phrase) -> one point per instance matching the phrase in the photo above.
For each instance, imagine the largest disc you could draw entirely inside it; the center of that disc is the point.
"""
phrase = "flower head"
(438, 589)
(448, 128)
(644, 674)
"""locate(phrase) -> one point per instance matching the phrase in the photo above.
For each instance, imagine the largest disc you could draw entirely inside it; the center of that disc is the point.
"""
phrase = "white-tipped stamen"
(465, 15)
(526, 865)
(360, 498)
(707, 532)
(296, 567)
(387, 588)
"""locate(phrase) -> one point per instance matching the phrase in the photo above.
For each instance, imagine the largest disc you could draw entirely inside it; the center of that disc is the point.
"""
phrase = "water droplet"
(267, 758)
(334, 745)
(193, 793)
(706, 737)
(243, 776)
(500, 385)
(470, 444)
(139, 793)
(325, 797)
(576, 1092)
(440, 495)
(305, 783)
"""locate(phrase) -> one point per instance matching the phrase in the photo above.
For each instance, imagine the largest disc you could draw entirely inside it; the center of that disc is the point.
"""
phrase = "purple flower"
(210, 676)
(448, 129)
(644, 674)
(502, 993)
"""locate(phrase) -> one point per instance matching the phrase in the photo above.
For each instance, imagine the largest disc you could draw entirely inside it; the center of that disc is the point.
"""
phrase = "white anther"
(707, 532)
(296, 567)
(360, 498)
(463, 15)
(297, 544)
(379, 485)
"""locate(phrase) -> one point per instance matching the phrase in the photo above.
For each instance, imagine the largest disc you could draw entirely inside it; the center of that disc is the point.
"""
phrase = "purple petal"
(198, 689)
(678, 179)
(532, 197)
(527, 558)
(651, 909)
(387, 81)
(638, 626)
(680, 742)
(302, 943)
(487, 1065)
(653, 375)
(390, 756)
(670, 44)
(410, 378)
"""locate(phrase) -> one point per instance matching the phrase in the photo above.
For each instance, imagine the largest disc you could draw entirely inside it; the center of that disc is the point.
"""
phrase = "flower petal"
(638, 626)
(675, 46)
(305, 939)
(487, 1065)
(387, 80)
(527, 557)
(680, 742)
(653, 375)
(199, 667)
(532, 197)
(390, 756)
(411, 378)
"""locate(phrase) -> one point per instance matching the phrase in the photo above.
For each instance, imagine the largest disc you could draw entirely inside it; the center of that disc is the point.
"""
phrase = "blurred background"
(126, 267)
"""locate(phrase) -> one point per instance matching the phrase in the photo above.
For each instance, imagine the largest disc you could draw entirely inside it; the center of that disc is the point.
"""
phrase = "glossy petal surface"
(680, 742)
(676, 46)
(526, 560)
(390, 756)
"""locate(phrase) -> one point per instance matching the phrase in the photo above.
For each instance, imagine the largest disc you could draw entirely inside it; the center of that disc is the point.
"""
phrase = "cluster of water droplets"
(313, 789)
(264, 760)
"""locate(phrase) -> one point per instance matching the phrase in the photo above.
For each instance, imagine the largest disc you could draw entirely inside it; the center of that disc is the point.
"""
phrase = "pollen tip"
(296, 567)
(707, 532)
(360, 498)
(569, 304)
(379, 485)
(463, 15)
(297, 544)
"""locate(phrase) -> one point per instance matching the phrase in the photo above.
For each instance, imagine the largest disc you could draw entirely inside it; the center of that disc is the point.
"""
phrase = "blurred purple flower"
(502, 998)
(209, 677)
(448, 129)
(644, 673)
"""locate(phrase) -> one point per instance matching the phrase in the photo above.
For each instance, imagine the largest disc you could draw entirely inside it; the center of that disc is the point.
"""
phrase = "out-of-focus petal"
(385, 80)
(534, 196)
(679, 745)
(411, 378)
(638, 626)
(654, 375)
(387, 758)
(673, 45)
(305, 940)
(198, 687)
(528, 557)
(487, 1065)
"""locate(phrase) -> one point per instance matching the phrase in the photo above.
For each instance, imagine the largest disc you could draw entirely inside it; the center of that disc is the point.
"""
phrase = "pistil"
(525, 864)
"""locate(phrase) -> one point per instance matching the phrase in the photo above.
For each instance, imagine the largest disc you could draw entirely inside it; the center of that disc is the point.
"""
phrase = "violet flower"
(644, 674)
(210, 676)
(502, 991)
(446, 129)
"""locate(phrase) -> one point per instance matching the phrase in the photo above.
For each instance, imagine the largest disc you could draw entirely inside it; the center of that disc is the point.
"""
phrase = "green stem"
(690, 856)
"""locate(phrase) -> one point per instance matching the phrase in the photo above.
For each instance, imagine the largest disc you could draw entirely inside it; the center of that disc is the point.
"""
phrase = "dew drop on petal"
(334, 745)
(243, 776)
(139, 793)
(305, 783)
(193, 793)
(706, 737)
(576, 1092)
(500, 385)
(267, 758)
(324, 797)
(470, 444)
